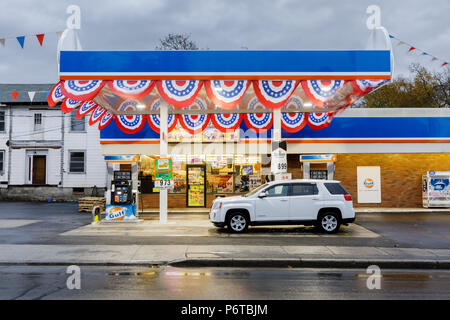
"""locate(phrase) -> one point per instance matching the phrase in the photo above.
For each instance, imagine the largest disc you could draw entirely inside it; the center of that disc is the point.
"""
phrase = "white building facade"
(45, 153)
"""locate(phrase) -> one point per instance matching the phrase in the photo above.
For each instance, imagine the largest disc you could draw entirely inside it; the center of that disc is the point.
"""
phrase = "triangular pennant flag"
(391, 36)
(2, 42)
(31, 95)
(444, 64)
(21, 40)
(40, 38)
(411, 49)
(399, 42)
(434, 59)
(424, 53)
(14, 95)
(59, 34)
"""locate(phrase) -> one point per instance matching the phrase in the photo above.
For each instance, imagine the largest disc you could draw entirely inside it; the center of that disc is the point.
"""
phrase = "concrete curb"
(314, 263)
(257, 263)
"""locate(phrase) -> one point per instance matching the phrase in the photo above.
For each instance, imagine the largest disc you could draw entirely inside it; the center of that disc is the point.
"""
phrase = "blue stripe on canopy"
(223, 63)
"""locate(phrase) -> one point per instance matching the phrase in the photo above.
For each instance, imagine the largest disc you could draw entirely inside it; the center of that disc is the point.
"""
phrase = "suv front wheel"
(328, 222)
(237, 222)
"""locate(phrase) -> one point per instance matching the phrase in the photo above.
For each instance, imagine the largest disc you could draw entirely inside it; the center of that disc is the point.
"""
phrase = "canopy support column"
(276, 125)
(163, 151)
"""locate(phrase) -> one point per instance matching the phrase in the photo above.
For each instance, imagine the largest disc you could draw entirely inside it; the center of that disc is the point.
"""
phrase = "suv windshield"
(255, 190)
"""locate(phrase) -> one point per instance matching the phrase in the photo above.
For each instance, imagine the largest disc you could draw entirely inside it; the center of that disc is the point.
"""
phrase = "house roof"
(40, 90)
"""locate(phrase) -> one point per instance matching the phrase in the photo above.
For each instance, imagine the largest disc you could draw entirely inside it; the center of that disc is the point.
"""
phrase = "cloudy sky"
(217, 25)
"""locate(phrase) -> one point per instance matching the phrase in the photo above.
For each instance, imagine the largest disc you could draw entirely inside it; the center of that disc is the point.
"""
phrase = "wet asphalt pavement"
(48, 220)
(49, 282)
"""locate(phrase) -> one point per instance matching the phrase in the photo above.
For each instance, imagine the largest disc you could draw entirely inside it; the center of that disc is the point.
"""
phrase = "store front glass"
(201, 178)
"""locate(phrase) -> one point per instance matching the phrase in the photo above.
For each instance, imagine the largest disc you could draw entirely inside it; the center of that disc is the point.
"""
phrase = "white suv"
(324, 203)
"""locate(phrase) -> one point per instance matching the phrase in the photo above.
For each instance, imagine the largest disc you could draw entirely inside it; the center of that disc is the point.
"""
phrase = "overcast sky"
(217, 25)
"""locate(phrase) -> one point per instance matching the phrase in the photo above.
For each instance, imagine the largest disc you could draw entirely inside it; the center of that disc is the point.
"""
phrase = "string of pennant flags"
(21, 39)
(413, 48)
(31, 94)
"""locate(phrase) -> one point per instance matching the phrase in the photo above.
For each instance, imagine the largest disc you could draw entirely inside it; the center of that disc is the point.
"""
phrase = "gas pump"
(122, 200)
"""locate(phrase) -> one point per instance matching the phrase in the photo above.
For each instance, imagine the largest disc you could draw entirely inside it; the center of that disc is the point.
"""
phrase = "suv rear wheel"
(237, 222)
(328, 222)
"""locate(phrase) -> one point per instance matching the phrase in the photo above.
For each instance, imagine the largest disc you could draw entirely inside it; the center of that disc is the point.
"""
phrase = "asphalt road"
(49, 220)
(49, 282)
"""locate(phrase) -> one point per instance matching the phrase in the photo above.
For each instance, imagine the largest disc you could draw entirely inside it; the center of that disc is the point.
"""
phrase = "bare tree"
(174, 41)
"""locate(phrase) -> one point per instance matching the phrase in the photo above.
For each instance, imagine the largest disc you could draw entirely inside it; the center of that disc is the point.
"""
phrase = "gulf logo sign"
(116, 213)
(368, 183)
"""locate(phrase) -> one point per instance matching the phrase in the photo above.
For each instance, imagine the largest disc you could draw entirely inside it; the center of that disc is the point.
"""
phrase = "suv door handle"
(283, 199)
(315, 198)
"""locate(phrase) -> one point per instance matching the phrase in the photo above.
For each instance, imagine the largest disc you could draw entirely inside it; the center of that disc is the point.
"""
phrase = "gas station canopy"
(222, 87)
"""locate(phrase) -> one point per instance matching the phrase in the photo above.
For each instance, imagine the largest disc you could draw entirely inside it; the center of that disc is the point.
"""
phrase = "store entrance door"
(196, 185)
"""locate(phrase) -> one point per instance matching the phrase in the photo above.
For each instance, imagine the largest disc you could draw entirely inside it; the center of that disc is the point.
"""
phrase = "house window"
(37, 121)
(77, 125)
(2, 121)
(2, 160)
(77, 161)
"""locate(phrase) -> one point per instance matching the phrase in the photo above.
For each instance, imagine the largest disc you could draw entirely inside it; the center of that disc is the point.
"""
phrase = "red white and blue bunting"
(85, 108)
(293, 122)
(195, 123)
(154, 119)
(321, 91)
(179, 93)
(227, 122)
(226, 93)
(274, 94)
(69, 105)
(135, 89)
(318, 120)
(129, 123)
(81, 90)
(105, 120)
(257, 122)
(96, 115)
(55, 96)
(362, 87)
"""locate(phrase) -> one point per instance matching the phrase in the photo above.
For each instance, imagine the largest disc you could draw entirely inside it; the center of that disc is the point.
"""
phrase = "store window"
(77, 161)
(225, 174)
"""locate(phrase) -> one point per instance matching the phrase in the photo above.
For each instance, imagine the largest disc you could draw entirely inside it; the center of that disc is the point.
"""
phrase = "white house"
(44, 152)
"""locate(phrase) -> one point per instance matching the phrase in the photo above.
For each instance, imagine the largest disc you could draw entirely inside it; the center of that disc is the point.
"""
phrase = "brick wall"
(401, 174)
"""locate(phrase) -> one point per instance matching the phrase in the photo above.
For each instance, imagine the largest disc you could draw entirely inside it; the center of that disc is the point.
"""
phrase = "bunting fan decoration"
(274, 94)
(226, 94)
(105, 120)
(293, 122)
(179, 93)
(195, 123)
(96, 115)
(320, 91)
(55, 96)
(154, 119)
(129, 123)
(227, 122)
(85, 108)
(69, 105)
(362, 87)
(257, 122)
(135, 89)
(318, 120)
(81, 90)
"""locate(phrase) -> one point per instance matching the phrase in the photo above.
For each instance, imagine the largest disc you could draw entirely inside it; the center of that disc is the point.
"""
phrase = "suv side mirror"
(262, 194)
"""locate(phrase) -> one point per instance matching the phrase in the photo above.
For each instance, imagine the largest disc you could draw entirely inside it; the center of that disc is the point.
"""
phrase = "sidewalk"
(226, 255)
